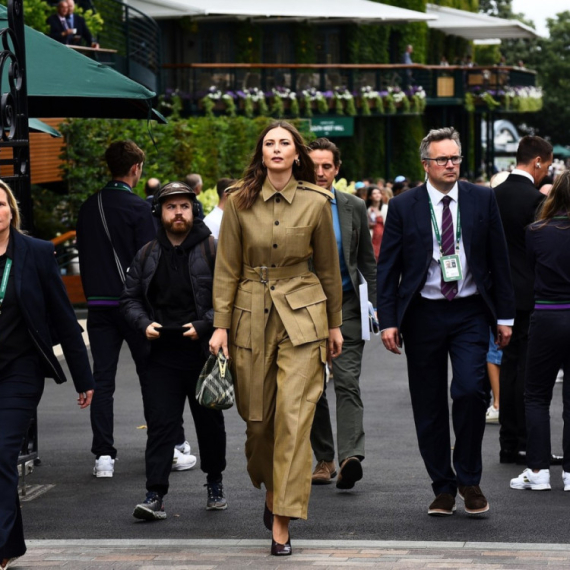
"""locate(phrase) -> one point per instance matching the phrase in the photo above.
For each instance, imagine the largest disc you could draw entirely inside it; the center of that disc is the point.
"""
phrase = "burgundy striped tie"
(449, 289)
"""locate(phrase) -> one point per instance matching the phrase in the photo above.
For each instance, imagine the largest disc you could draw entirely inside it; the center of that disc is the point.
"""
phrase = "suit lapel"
(466, 209)
(423, 220)
(345, 220)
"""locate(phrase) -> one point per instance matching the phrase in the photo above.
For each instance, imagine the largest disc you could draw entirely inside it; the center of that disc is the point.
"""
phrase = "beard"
(174, 228)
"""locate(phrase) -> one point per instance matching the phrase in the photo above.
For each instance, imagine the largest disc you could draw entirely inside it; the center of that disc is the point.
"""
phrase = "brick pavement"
(320, 554)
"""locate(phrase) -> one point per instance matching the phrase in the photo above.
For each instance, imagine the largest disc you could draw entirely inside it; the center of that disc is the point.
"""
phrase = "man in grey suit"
(356, 255)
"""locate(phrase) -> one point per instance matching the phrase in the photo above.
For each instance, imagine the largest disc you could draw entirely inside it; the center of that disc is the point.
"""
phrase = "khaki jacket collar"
(268, 190)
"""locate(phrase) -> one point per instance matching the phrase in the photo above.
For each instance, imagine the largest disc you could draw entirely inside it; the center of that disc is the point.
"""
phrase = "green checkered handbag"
(215, 388)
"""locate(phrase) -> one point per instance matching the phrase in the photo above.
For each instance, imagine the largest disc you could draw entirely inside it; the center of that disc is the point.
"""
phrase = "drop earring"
(297, 162)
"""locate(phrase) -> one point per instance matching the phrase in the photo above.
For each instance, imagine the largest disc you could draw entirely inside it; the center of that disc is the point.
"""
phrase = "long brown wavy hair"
(557, 204)
(255, 174)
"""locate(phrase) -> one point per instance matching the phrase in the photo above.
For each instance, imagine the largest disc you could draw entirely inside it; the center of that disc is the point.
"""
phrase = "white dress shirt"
(432, 288)
(214, 220)
(466, 286)
(523, 173)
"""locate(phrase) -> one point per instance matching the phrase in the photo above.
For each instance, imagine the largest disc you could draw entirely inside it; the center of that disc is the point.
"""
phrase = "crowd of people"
(278, 278)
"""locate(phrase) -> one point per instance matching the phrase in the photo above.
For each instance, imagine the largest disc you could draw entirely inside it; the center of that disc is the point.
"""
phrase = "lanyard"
(436, 229)
(4, 283)
(118, 185)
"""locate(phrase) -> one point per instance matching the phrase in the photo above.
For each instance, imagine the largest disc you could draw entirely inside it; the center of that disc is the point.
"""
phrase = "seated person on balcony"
(59, 29)
(78, 25)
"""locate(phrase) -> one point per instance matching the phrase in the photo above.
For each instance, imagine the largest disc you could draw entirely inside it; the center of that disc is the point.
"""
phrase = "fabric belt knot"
(261, 277)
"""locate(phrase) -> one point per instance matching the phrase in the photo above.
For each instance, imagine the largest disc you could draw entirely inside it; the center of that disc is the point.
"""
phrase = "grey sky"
(540, 11)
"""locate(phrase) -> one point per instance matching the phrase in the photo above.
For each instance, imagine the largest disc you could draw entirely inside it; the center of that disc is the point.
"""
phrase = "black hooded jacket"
(178, 279)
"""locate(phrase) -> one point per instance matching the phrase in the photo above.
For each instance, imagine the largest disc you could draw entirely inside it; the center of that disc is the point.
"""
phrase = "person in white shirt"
(214, 219)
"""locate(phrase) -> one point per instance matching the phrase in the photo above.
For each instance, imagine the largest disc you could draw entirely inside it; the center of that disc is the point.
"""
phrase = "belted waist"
(264, 274)
(260, 277)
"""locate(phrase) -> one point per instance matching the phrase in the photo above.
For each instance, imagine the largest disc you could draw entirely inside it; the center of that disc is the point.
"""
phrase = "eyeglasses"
(443, 160)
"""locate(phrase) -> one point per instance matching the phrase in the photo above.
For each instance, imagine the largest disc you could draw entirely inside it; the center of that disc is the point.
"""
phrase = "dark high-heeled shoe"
(268, 518)
(281, 549)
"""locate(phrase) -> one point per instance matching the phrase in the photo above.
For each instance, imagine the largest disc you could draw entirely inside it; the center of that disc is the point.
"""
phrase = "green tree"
(497, 8)
(36, 12)
(553, 65)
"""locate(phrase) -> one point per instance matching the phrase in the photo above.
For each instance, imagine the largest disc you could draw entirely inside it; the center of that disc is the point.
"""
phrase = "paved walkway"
(322, 554)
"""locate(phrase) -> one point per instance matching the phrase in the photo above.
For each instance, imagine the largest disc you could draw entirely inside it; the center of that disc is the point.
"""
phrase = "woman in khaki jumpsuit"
(279, 315)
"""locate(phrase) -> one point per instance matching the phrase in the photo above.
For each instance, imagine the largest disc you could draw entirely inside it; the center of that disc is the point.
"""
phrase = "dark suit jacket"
(518, 201)
(407, 251)
(83, 32)
(47, 311)
(56, 28)
(356, 241)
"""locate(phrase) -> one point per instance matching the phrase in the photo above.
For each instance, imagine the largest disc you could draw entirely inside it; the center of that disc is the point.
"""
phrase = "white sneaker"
(104, 466)
(181, 462)
(534, 481)
(492, 415)
(566, 479)
(560, 376)
(184, 448)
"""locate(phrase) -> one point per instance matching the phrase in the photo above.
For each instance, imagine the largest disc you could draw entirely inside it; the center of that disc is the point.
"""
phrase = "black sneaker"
(216, 499)
(151, 509)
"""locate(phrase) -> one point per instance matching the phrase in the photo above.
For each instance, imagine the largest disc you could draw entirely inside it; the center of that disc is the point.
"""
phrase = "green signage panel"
(333, 127)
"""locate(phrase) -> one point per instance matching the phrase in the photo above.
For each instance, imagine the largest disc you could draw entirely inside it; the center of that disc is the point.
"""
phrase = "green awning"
(37, 126)
(64, 83)
(559, 150)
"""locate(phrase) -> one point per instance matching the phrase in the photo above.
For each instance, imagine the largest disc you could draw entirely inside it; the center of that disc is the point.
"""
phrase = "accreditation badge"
(451, 268)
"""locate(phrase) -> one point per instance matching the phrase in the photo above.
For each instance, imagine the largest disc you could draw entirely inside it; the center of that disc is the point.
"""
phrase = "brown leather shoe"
(475, 501)
(443, 505)
(350, 472)
(324, 472)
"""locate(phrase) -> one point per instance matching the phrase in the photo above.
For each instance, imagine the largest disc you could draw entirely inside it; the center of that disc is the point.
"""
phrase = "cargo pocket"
(309, 313)
(240, 333)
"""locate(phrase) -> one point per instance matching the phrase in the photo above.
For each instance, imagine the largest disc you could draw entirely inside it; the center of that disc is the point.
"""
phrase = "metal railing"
(136, 39)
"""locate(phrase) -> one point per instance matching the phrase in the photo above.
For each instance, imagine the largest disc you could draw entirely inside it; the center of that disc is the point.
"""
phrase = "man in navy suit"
(443, 279)
(79, 26)
(59, 29)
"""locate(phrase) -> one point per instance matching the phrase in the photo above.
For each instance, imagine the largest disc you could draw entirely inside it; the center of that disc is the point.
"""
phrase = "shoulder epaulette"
(234, 187)
(308, 186)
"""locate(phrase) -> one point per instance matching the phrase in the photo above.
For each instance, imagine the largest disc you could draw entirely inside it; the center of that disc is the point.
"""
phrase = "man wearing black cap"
(168, 299)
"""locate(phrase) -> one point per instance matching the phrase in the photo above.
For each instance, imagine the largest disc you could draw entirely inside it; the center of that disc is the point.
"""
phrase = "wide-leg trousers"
(278, 448)
(548, 351)
(21, 388)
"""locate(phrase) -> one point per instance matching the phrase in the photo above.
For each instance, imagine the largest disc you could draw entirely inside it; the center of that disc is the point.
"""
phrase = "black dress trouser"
(21, 388)
(548, 351)
(164, 392)
(512, 434)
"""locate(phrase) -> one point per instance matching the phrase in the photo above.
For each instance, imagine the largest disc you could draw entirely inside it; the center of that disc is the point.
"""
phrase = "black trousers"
(434, 331)
(21, 388)
(548, 351)
(164, 392)
(107, 330)
(512, 435)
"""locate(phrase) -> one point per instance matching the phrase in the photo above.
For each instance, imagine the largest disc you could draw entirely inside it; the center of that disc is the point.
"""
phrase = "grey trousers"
(349, 409)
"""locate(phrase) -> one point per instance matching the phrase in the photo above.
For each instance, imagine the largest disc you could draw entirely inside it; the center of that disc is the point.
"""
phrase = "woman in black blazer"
(548, 250)
(35, 314)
